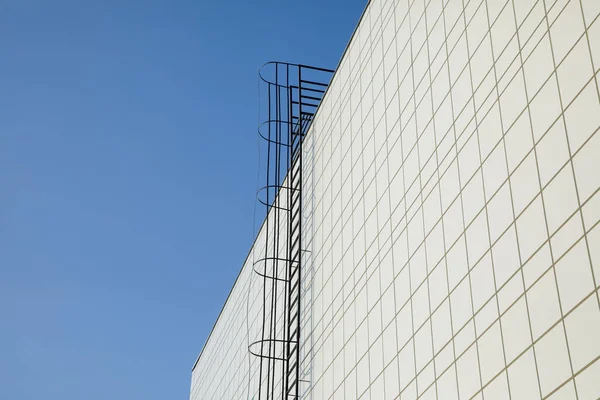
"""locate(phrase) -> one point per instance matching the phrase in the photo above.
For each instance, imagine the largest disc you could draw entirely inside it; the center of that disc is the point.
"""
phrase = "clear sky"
(128, 161)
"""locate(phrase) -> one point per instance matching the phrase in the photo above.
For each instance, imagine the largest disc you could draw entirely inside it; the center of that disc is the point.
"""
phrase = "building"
(450, 246)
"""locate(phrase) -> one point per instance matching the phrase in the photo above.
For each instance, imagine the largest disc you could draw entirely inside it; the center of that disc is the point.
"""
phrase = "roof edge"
(261, 226)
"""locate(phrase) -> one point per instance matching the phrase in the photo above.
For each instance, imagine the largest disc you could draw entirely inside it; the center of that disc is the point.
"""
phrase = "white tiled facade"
(451, 212)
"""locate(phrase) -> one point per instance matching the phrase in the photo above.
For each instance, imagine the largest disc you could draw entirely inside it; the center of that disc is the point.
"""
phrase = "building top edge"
(262, 224)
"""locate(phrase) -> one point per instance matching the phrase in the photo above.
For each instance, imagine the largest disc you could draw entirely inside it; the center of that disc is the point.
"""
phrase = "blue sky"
(128, 166)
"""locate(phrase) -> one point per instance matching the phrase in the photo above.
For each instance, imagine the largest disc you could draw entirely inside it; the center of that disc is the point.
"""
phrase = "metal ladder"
(293, 95)
(292, 377)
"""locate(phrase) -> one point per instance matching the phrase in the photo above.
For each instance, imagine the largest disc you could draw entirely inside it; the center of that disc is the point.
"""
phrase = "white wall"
(222, 370)
(452, 208)
(455, 173)
(225, 369)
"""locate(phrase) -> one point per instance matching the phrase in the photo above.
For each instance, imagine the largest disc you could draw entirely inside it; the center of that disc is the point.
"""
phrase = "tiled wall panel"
(454, 171)
(451, 212)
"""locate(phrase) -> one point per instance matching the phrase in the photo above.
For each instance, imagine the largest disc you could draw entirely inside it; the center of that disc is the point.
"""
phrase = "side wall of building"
(222, 369)
(454, 176)
(451, 213)
(229, 366)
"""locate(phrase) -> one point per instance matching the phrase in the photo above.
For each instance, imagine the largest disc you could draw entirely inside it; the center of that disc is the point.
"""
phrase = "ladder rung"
(314, 83)
(311, 97)
(295, 241)
(293, 334)
(292, 369)
(294, 302)
(292, 349)
(295, 200)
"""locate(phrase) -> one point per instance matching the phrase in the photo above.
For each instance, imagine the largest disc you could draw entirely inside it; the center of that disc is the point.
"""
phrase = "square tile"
(435, 245)
(560, 199)
(504, 27)
(481, 61)
(404, 325)
(374, 324)
(506, 257)
(518, 141)
(438, 285)
(522, 377)
(567, 235)
(515, 330)
(486, 315)
(494, 171)
(485, 100)
(531, 226)
(490, 132)
(593, 238)
(566, 392)
(552, 153)
(418, 268)
(591, 9)
(498, 389)
(420, 303)
(457, 263)
(473, 200)
(406, 365)
(544, 309)
(447, 384)
(477, 239)
(552, 359)
(545, 108)
(362, 375)
(500, 212)
(442, 326)
(588, 384)
(513, 101)
(574, 276)
(574, 72)
(594, 37)
(491, 356)
(428, 393)
(449, 186)
(583, 331)
(510, 292)
(468, 159)
(468, 373)
(523, 12)
(388, 308)
(376, 358)
(482, 279)
(566, 29)
(465, 337)
(461, 304)
(507, 69)
(583, 116)
(537, 265)
(524, 182)
(584, 163)
(392, 384)
(423, 347)
(444, 358)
